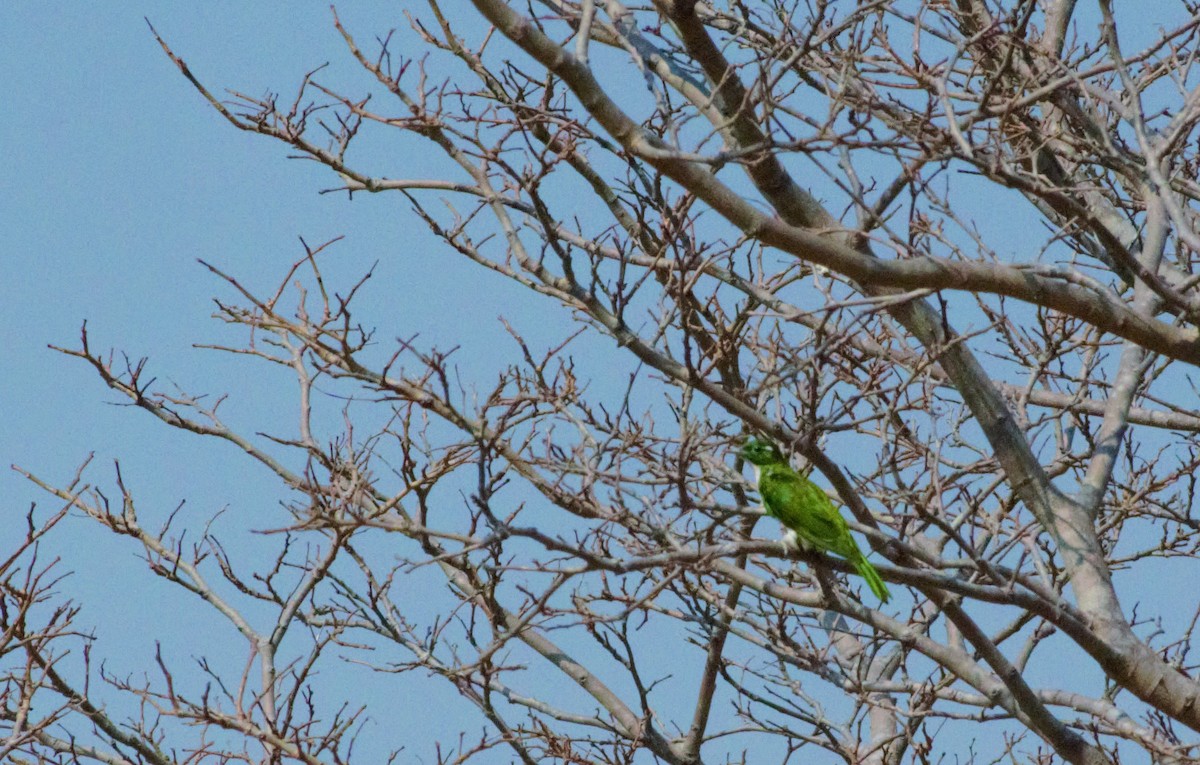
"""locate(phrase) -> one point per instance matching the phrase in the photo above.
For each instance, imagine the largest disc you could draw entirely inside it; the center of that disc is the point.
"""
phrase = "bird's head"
(761, 452)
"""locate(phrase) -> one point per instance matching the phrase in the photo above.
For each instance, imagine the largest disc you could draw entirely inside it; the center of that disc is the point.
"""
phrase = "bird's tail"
(868, 572)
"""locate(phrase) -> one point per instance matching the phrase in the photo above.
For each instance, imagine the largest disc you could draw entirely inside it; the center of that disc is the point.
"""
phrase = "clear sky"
(115, 177)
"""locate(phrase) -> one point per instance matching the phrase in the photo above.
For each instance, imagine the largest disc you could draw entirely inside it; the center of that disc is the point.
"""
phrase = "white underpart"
(758, 482)
(791, 540)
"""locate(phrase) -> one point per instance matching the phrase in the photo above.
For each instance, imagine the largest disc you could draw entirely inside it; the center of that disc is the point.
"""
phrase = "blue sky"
(116, 177)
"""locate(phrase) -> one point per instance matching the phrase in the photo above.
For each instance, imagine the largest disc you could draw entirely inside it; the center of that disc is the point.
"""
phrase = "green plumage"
(806, 511)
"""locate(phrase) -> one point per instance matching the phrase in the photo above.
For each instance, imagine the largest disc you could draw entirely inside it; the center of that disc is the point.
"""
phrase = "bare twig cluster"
(1014, 434)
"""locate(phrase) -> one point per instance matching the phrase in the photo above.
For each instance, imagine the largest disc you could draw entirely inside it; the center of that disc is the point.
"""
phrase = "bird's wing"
(800, 505)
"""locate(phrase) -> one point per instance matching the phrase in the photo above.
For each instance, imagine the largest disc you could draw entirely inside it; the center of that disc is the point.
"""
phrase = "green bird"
(810, 517)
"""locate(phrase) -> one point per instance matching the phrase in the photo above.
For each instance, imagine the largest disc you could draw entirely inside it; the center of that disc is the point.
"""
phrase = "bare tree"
(772, 209)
